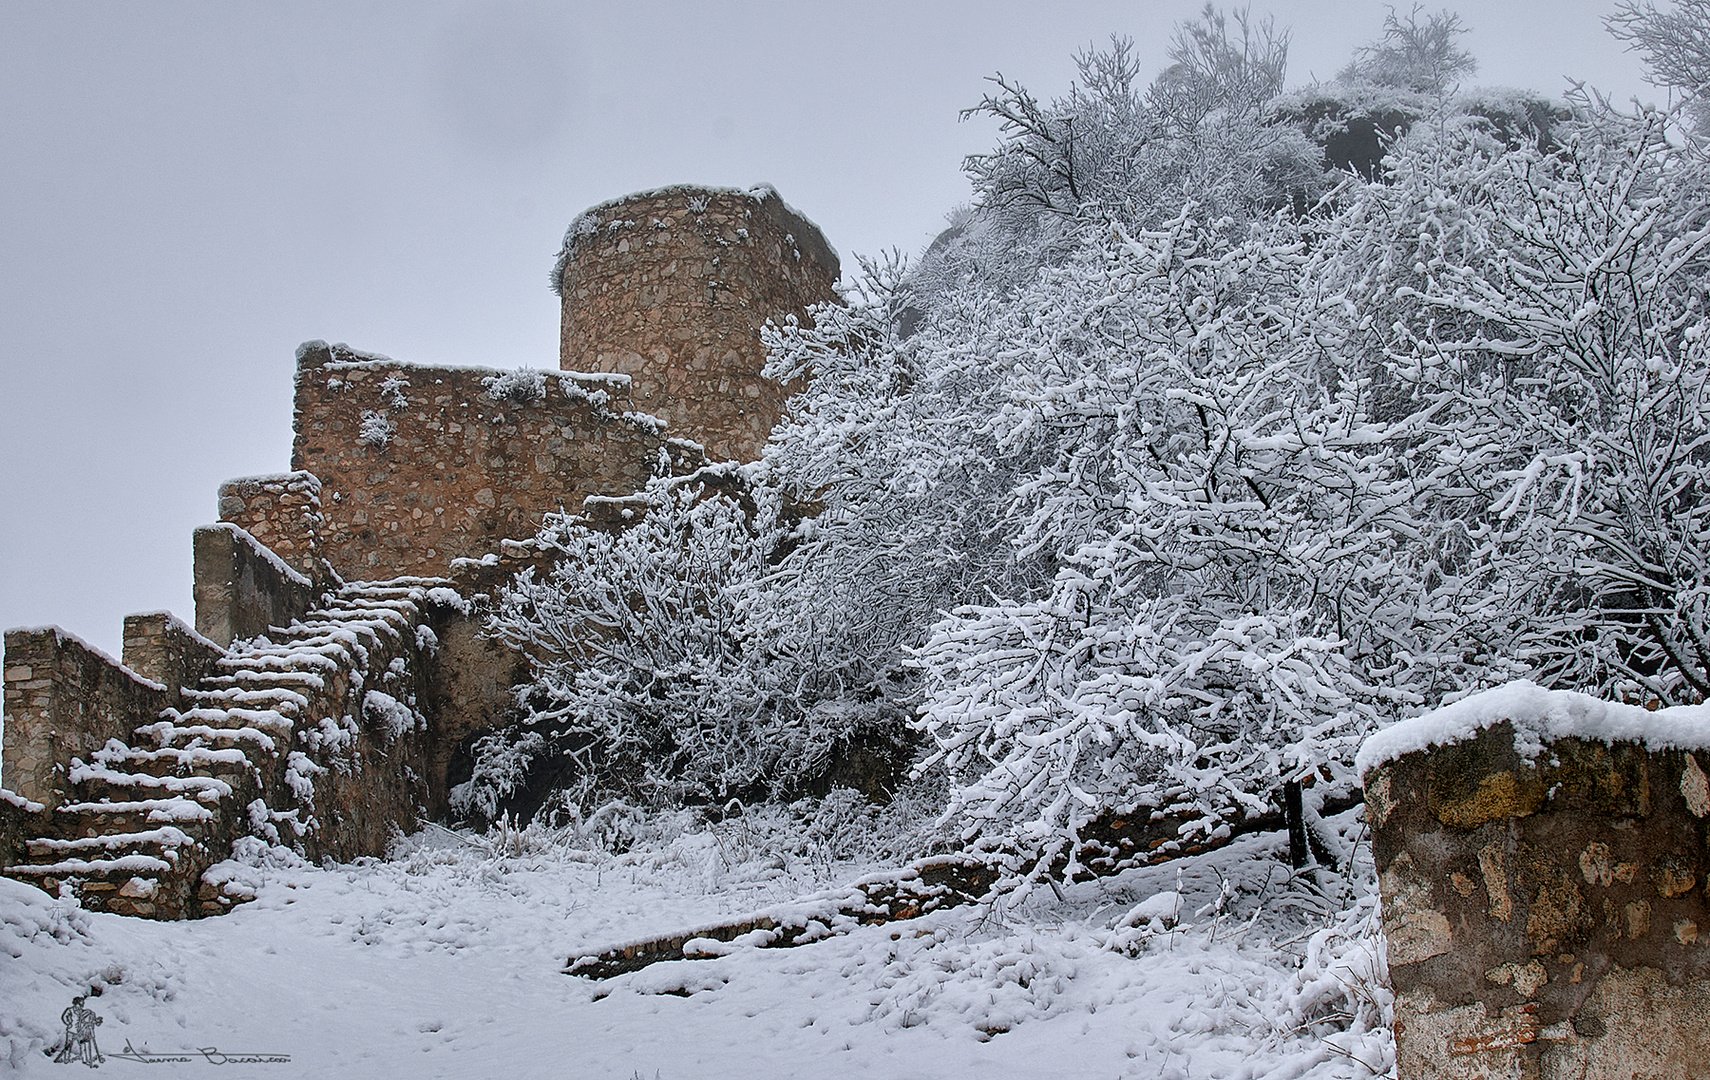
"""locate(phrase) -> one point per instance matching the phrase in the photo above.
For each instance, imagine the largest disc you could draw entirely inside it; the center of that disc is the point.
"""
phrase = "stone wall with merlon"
(282, 511)
(1542, 862)
(242, 589)
(64, 699)
(672, 288)
(423, 465)
(162, 648)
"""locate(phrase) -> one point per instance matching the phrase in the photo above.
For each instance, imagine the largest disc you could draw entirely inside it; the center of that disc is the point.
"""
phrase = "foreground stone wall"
(1544, 916)
(65, 699)
(672, 288)
(419, 466)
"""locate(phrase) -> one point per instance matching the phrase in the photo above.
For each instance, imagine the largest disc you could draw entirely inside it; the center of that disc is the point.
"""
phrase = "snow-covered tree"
(1552, 328)
(1250, 573)
(1675, 45)
(1114, 150)
(654, 676)
(1419, 52)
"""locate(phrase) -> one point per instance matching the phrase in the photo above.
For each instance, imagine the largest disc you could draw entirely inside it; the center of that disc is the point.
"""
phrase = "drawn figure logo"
(80, 1024)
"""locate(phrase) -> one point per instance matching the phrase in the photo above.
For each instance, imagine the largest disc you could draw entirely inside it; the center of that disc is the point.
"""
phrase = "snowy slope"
(445, 961)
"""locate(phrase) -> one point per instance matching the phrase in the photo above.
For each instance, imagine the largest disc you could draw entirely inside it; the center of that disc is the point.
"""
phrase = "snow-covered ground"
(446, 960)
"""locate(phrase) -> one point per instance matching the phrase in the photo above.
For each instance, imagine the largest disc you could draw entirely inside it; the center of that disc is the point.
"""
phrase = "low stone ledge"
(1542, 861)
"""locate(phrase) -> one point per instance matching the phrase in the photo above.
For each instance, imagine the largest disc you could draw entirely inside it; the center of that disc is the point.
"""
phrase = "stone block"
(1542, 862)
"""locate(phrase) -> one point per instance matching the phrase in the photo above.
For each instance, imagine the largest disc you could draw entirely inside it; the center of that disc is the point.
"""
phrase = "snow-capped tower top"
(672, 287)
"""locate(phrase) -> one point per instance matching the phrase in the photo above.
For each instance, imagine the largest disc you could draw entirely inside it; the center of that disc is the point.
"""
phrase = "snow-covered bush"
(1419, 52)
(524, 386)
(1247, 579)
(376, 430)
(659, 673)
(1148, 491)
(1675, 44)
(1549, 320)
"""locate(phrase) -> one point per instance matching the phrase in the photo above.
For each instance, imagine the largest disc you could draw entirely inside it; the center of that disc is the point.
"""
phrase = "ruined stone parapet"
(283, 512)
(315, 738)
(162, 648)
(242, 589)
(672, 288)
(64, 700)
(1542, 861)
(423, 465)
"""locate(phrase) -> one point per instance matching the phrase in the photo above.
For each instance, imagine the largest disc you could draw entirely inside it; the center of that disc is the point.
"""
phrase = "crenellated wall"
(241, 588)
(283, 513)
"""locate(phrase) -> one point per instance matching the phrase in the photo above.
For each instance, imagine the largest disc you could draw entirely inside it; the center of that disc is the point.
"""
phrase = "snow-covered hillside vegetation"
(1185, 459)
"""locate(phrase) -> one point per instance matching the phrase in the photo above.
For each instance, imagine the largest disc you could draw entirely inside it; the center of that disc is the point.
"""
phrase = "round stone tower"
(671, 288)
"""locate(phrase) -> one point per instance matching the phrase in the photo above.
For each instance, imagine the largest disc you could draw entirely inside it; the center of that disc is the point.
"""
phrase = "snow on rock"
(1540, 716)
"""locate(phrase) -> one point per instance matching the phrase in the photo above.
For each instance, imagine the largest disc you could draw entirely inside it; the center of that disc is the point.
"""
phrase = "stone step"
(161, 843)
(174, 760)
(116, 872)
(94, 782)
(220, 731)
(137, 815)
(229, 695)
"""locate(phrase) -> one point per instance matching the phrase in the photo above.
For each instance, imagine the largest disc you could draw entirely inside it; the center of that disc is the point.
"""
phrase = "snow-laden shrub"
(391, 716)
(1249, 575)
(1113, 150)
(659, 673)
(502, 760)
(376, 430)
(392, 391)
(1547, 322)
(524, 386)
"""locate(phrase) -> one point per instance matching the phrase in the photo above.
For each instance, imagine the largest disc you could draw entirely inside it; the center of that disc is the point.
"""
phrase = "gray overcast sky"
(188, 190)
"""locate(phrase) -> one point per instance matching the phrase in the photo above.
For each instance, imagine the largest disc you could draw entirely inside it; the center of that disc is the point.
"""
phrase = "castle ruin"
(336, 669)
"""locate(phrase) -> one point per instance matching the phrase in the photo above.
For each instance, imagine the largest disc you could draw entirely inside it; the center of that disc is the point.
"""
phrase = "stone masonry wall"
(672, 287)
(241, 588)
(1546, 918)
(64, 699)
(314, 738)
(283, 512)
(420, 466)
(161, 648)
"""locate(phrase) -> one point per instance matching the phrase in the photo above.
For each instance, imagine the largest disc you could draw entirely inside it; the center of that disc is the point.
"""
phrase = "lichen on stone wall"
(1543, 893)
